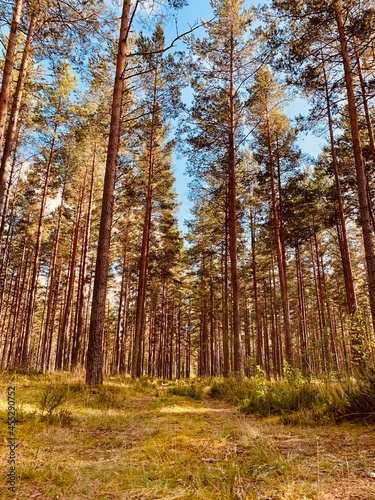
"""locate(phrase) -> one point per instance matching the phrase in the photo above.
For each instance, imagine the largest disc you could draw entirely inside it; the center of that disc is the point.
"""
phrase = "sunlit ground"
(139, 441)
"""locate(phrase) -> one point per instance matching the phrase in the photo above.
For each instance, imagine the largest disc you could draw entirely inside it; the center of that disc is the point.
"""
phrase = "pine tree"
(330, 24)
(218, 82)
(94, 374)
(272, 131)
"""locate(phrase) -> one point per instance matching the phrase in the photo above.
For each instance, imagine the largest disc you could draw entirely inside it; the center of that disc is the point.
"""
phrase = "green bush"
(357, 398)
(192, 390)
(77, 387)
(280, 397)
(143, 384)
(232, 390)
(52, 397)
(319, 404)
(63, 417)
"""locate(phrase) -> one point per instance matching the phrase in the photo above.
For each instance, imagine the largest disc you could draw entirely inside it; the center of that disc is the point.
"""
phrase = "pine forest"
(275, 266)
(187, 241)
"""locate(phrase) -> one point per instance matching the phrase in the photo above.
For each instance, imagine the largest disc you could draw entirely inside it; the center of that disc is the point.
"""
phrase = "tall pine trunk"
(224, 294)
(255, 291)
(38, 245)
(366, 107)
(7, 77)
(351, 299)
(364, 208)
(62, 356)
(232, 221)
(79, 319)
(16, 105)
(94, 366)
(280, 252)
(140, 318)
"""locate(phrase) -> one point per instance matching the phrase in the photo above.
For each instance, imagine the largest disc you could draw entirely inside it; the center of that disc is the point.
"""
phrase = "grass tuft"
(192, 390)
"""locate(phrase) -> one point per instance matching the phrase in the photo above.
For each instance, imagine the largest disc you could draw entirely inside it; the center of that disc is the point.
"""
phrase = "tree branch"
(159, 51)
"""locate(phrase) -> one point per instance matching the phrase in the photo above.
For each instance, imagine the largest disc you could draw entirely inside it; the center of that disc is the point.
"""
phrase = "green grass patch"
(189, 389)
(299, 401)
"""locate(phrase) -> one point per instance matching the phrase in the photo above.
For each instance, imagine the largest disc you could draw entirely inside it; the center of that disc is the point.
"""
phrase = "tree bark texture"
(94, 366)
(364, 209)
(232, 220)
(16, 105)
(7, 73)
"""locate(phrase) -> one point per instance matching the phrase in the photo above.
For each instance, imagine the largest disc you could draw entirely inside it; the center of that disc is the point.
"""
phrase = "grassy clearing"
(149, 440)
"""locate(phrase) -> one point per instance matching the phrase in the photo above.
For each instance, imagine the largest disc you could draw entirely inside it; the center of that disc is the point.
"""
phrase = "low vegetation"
(154, 439)
(299, 401)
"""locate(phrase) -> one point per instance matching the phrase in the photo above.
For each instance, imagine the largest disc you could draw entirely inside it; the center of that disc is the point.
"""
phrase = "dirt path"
(160, 446)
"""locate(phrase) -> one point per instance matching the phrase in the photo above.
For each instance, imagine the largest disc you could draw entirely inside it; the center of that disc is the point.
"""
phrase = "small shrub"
(192, 390)
(52, 398)
(279, 397)
(111, 400)
(63, 417)
(357, 398)
(77, 387)
(293, 375)
(307, 418)
(143, 383)
(232, 390)
(265, 459)
(216, 390)
(22, 415)
(348, 400)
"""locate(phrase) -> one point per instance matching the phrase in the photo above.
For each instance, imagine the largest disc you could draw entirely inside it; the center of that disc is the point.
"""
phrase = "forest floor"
(138, 441)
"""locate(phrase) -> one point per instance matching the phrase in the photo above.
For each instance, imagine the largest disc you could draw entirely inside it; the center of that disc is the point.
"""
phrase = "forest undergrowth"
(195, 439)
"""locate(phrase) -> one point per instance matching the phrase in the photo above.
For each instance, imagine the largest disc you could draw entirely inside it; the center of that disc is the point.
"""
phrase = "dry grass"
(139, 441)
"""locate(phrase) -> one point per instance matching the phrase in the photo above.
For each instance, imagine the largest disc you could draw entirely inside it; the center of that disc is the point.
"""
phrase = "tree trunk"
(143, 264)
(38, 244)
(302, 314)
(364, 210)
(203, 329)
(366, 107)
(224, 293)
(94, 367)
(247, 338)
(5, 216)
(51, 289)
(10, 330)
(16, 105)
(117, 343)
(279, 252)
(61, 354)
(7, 75)
(351, 299)
(78, 333)
(232, 221)
(211, 362)
(255, 291)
